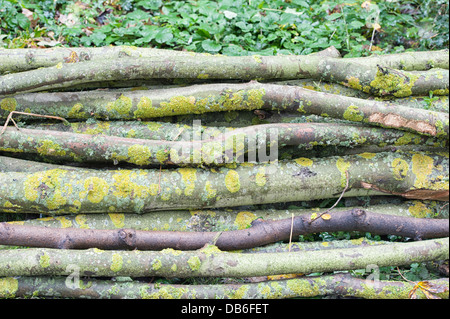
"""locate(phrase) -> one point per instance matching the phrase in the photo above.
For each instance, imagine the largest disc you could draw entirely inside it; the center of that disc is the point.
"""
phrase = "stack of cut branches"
(120, 164)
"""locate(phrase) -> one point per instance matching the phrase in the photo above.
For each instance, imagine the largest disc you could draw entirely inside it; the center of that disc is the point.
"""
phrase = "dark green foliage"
(231, 27)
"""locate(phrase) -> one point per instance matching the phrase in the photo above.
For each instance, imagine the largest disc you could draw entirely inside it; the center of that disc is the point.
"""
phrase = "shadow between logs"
(260, 233)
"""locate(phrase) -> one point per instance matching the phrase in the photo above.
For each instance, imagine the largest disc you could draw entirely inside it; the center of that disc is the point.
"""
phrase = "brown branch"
(9, 118)
(261, 233)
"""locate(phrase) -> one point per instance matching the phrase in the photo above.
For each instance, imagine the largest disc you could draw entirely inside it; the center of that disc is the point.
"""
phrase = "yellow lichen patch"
(7, 204)
(303, 287)
(407, 138)
(203, 76)
(272, 290)
(420, 210)
(260, 177)
(210, 191)
(153, 189)
(118, 220)
(367, 155)
(44, 260)
(100, 128)
(75, 208)
(139, 154)
(117, 262)
(65, 223)
(244, 219)
(189, 177)
(166, 292)
(157, 264)
(153, 126)
(239, 293)
(257, 58)
(171, 251)
(47, 187)
(400, 168)
(422, 166)
(124, 187)
(8, 104)
(352, 113)
(255, 99)
(76, 111)
(166, 194)
(353, 82)
(232, 181)
(95, 189)
(144, 108)
(303, 161)
(194, 263)
(131, 133)
(391, 83)
(162, 156)
(343, 166)
(48, 147)
(176, 106)
(81, 220)
(8, 287)
(122, 105)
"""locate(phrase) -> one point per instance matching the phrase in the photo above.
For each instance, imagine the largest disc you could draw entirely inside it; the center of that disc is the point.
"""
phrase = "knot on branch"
(128, 237)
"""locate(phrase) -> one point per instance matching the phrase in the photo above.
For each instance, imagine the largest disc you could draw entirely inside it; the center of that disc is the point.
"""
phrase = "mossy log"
(207, 98)
(343, 285)
(212, 262)
(366, 75)
(197, 147)
(16, 60)
(261, 232)
(60, 191)
(438, 103)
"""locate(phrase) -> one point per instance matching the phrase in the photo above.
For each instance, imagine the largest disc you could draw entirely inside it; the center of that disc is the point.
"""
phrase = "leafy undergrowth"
(231, 27)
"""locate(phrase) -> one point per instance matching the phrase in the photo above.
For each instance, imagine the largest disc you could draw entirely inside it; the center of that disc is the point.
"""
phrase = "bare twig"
(290, 236)
(9, 118)
(337, 202)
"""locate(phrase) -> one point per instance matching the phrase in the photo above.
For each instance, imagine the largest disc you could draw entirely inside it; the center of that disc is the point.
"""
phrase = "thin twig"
(398, 270)
(337, 202)
(290, 236)
(214, 241)
(9, 118)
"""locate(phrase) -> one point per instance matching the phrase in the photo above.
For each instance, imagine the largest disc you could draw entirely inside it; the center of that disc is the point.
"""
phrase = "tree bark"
(216, 149)
(208, 98)
(362, 74)
(331, 285)
(211, 262)
(259, 234)
(220, 219)
(59, 191)
(16, 60)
